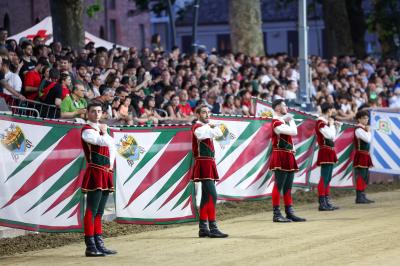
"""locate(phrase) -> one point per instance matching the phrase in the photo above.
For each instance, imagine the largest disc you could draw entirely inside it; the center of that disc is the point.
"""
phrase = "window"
(6, 23)
(186, 43)
(113, 31)
(142, 36)
(111, 4)
(223, 43)
(102, 33)
(293, 43)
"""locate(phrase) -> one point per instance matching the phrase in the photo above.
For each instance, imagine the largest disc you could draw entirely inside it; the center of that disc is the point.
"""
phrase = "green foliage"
(94, 8)
(385, 15)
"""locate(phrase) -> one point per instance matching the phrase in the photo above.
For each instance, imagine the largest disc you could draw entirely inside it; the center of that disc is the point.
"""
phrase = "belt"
(327, 147)
(100, 167)
(290, 151)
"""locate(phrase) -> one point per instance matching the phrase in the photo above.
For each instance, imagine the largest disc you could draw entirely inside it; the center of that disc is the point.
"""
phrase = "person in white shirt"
(362, 159)
(97, 182)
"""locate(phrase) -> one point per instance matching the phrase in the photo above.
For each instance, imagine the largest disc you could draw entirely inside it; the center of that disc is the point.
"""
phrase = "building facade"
(118, 22)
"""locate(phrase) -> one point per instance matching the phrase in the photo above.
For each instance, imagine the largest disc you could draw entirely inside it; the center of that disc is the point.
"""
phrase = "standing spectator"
(11, 78)
(3, 38)
(33, 79)
(59, 91)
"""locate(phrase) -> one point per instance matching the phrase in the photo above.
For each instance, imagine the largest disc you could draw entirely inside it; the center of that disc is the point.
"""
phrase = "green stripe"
(160, 142)
(70, 174)
(266, 178)
(35, 227)
(72, 203)
(257, 166)
(154, 221)
(306, 146)
(186, 194)
(346, 155)
(348, 170)
(246, 134)
(178, 174)
(51, 137)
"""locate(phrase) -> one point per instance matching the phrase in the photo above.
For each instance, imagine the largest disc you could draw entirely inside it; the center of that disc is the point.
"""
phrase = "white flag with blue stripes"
(385, 144)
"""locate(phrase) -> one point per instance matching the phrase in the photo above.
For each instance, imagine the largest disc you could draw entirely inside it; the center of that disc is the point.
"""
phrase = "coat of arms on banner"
(14, 140)
(383, 126)
(227, 136)
(129, 149)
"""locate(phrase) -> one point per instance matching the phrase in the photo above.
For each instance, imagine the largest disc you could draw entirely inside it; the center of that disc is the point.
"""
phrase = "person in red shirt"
(184, 106)
(33, 79)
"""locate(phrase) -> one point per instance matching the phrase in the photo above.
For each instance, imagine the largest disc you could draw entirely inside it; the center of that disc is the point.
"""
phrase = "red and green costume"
(362, 161)
(284, 165)
(97, 183)
(205, 171)
(326, 158)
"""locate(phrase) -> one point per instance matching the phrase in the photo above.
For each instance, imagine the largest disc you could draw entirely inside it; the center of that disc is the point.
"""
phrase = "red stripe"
(71, 189)
(257, 145)
(178, 148)
(260, 174)
(182, 185)
(66, 151)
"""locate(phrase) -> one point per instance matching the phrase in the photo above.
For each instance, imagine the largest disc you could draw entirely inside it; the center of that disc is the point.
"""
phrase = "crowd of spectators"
(153, 86)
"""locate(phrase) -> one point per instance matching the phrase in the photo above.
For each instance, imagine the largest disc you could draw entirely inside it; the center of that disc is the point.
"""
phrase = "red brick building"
(118, 22)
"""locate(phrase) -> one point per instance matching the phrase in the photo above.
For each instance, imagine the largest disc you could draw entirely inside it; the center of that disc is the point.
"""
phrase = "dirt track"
(353, 235)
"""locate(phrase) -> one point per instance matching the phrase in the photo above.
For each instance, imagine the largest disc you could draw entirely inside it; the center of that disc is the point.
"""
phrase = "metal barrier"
(25, 109)
(31, 108)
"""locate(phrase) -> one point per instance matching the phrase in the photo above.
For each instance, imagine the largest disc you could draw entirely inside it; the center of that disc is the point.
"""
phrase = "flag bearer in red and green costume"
(326, 129)
(283, 162)
(362, 159)
(205, 171)
(97, 182)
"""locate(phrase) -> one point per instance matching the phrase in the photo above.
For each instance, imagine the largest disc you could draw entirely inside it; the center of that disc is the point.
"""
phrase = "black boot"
(278, 217)
(100, 246)
(367, 199)
(329, 203)
(360, 198)
(290, 214)
(322, 204)
(91, 250)
(214, 231)
(203, 229)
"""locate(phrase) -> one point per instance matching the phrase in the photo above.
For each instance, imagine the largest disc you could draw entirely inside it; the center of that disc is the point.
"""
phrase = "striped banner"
(41, 169)
(385, 144)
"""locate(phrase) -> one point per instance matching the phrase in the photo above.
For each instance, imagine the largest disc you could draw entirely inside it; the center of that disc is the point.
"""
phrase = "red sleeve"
(276, 123)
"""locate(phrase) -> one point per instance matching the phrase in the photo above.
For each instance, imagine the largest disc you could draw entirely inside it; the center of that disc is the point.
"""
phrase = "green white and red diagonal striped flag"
(41, 170)
(153, 175)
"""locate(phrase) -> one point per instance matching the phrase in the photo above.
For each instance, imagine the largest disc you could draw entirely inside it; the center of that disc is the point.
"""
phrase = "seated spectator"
(149, 111)
(394, 101)
(344, 108)
(124, 111)
(74, 105)
(194, 96)
(228, 107)
(184, 106)
(173, 108)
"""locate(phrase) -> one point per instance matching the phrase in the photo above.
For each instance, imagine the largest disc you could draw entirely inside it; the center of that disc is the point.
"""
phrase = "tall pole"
(305, 94)
(194, 26)
(172, 24)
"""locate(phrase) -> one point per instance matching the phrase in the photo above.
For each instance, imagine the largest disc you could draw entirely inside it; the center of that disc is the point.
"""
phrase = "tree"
(385, 21)
(358, 26)
(245, 21)
(337, 28)
(67, 17)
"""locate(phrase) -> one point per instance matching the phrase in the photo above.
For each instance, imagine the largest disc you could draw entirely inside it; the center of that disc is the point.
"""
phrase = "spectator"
(184, 106)
(55, 94)
(33, 79)
(74, 105)
(12, 79)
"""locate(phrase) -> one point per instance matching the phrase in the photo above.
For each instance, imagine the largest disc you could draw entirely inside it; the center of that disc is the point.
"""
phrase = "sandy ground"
(353, 235)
